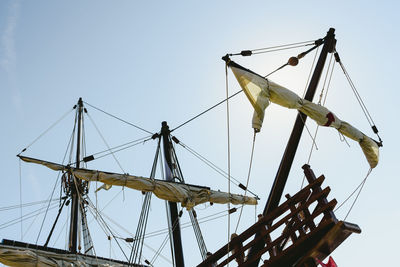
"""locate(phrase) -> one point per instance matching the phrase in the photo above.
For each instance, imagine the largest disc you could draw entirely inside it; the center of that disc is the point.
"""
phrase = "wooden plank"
(309, 173)
(330, 206)
(295, 252)
(301, 195)
(340, 232)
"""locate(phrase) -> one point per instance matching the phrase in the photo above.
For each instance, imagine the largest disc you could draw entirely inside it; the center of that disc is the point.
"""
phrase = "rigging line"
(357, 95)
(51, 196)
(273, 48)
(138, 245)
(105, 142)
(183, 225)
(152, 249)
(214, 167)
(26, 216)
(326, 77)
(352, 193)
(58, 176)
(248, 178)
(59, 234)
(297, 58)
(125, 146)
(279, 49)
(228, 152)
(30, 225)
(24, 205)
(197, 231)
(48, 129)
(308, 131)
(323, 104)
(311, 71)
(108, 228)
(205, 111)
(165, 241)
(96, 215)
(115, 117)
(278, 46)
(358, 194)
(20, 194)
(359, 99)
(138, 142)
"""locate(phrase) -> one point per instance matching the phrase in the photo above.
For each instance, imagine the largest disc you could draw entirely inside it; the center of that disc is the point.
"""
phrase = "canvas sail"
(28, 257)
(261, 91)
(188, 195)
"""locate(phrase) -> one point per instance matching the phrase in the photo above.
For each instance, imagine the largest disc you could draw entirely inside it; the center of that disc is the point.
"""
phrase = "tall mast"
(291, 147)
(177, 249)
(73, 233)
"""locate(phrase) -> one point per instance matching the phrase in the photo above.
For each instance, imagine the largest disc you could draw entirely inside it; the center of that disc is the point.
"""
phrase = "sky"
(148, 62)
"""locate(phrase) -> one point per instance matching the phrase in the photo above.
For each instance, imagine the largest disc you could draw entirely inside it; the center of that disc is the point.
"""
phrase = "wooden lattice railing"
(290, 232)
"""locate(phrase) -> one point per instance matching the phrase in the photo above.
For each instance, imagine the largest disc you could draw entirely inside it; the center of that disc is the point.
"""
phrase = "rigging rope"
(106, 225)
(248, 178)
(228, 154)
(293, 61)
(58, 176)
(272, 48)
(171, 229)
(48, 129)
(248, 53)
(192, 213)
(205, 111)
(105, 142)
(198, 234)
(115, 150)
(115, 117)
(360, 185)
(330, 74)
(359, 99)
(27, 216)
(20, 194)
(216, 168)
(28, 204)
(310, 73)
(137, 247)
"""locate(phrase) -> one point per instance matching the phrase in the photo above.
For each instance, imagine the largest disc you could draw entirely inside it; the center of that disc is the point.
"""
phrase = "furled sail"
(28, 257)
(261, 91)
(188, 195)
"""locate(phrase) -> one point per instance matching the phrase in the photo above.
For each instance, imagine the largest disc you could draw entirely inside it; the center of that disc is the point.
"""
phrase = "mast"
(73, 232)
(177, 249)
(291, 147)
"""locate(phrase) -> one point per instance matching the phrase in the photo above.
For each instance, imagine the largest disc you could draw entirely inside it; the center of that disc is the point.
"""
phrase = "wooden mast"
(177, 249)
(74, 187)
(291, 147)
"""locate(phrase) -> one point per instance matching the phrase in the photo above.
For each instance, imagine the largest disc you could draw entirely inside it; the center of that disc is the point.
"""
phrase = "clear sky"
(149, 61)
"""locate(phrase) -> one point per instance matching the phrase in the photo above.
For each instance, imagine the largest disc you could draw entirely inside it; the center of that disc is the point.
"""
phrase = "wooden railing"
(288, 233)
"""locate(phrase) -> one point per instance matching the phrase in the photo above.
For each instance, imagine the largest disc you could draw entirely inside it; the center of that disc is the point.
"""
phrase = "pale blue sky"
(152, 61)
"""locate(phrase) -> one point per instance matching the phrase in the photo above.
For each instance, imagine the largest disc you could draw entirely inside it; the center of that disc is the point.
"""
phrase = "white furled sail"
(188, 195)
(28, 257)
(261, 91)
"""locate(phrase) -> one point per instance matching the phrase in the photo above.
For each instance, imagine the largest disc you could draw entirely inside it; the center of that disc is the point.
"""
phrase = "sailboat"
(300, 231)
